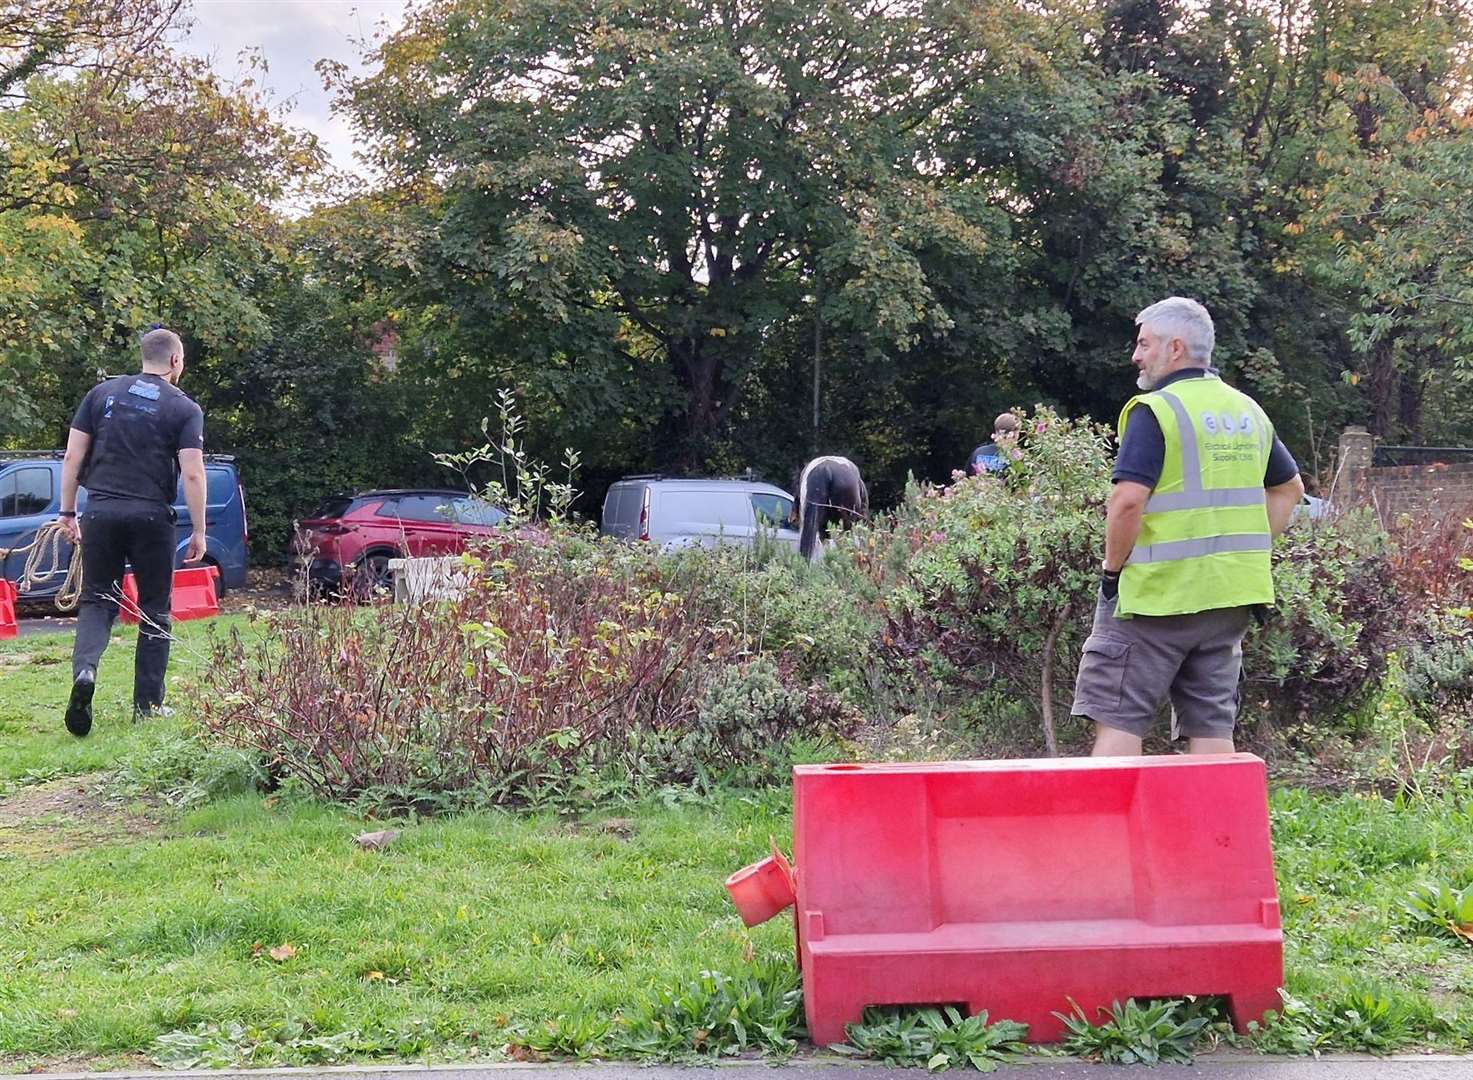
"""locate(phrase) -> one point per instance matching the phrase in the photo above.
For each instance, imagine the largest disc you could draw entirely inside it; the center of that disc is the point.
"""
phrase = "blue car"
(30, 495)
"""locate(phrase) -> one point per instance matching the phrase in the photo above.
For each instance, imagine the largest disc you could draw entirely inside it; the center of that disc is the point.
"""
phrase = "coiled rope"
(48, 541)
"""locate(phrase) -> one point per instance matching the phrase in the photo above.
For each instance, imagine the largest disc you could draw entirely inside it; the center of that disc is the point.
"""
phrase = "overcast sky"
(293, 35)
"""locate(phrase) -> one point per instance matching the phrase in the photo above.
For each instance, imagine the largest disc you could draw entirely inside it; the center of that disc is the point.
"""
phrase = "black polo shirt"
(1143, 449)
(138, 424)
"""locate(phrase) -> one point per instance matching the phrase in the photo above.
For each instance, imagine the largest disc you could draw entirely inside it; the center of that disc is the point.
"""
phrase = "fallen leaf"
(374, 976)
(283, 953)
(257, 949)
(67, 1014)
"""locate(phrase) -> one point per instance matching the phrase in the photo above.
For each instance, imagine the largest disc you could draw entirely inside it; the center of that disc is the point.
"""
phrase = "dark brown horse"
(828, 488)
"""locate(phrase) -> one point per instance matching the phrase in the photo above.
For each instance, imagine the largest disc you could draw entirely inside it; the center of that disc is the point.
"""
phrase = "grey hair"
(1179, 317)
(159, 346)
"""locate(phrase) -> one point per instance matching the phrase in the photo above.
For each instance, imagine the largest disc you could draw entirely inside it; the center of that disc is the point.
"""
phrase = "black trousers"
(115, 532)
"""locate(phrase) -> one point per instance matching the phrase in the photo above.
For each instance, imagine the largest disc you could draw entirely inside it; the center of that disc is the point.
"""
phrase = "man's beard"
(1144, 381)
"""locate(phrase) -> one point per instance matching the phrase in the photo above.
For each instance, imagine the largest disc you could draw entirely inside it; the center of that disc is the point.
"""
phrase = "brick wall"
(1399, 489)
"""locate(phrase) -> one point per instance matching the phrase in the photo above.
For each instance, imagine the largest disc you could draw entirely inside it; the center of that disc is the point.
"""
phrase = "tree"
(613, 186)
(135, 190)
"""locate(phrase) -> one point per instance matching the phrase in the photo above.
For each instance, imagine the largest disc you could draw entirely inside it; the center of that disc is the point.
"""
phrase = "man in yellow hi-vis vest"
(1201, 487)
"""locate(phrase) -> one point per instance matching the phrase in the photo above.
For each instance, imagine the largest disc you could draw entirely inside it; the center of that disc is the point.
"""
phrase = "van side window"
(772, 510)
(219, 487)
(24, 492)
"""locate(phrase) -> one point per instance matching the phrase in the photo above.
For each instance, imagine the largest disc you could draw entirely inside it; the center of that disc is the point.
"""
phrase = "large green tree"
(654, 190)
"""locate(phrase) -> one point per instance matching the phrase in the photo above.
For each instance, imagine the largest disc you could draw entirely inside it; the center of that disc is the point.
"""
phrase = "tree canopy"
(722, 234)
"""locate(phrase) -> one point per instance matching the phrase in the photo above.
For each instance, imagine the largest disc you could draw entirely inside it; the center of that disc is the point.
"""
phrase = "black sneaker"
(79, 708)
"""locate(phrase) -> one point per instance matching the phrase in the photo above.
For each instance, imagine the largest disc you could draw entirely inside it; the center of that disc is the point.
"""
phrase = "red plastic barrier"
(194, 595)
(1016, 886)
(8, 594)
(763, 889)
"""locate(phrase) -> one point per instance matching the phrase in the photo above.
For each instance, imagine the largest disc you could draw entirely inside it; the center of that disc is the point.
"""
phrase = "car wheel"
(220, 588)
(372, 577)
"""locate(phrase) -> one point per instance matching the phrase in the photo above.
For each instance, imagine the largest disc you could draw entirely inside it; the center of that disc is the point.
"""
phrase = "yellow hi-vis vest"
(1204, 540)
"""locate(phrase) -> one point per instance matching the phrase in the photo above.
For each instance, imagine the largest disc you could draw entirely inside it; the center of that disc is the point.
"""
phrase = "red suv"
(356, 535)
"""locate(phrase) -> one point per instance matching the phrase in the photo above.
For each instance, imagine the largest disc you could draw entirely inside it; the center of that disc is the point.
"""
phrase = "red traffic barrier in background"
(8, 595)
(1023, 887)
(194, 595)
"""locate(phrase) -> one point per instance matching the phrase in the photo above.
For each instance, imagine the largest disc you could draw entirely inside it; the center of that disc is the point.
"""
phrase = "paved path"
(45, 624)
(1212, 1067)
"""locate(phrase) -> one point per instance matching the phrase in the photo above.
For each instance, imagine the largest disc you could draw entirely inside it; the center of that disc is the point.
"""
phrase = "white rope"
(48, 540)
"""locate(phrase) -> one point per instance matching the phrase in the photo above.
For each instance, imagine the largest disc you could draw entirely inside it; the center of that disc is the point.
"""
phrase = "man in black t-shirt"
(131, 440)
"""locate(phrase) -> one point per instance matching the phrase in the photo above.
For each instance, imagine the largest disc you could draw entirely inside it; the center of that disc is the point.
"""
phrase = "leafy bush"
(1337, 616)
(937, 1038)
(565, 674)
(1136, 1034)
(1000, 583)
(823, 619)
(749, 711)
(186, 771)
(997, 594)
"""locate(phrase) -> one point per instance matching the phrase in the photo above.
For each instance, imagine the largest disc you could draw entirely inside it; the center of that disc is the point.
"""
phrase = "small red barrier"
(763, 889)
(194, 595)
(8, 594)
(1022, 887)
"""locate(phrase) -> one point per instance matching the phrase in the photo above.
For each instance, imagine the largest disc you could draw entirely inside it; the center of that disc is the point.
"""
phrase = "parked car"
(679, 513)
(30, 496)
(357, 535)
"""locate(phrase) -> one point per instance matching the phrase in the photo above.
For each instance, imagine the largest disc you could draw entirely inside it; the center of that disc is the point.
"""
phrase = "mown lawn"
(124, 918)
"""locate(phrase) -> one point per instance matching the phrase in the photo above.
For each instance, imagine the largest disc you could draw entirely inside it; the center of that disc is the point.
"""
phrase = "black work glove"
(1109, 584)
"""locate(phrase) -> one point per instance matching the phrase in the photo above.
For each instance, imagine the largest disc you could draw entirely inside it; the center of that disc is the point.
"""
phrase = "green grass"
(138, 920)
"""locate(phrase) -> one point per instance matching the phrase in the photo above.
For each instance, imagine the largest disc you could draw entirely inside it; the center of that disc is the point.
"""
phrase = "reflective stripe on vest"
(1171, 550)
(1195, 497)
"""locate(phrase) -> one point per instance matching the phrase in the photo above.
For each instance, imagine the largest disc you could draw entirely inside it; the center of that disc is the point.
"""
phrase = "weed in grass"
(186, 772)
(938, 1038)
(716, 1015)
(582, 1035)
(1368, 1019)
(1444, 910)
(1150, 1034)
(221, 1046)
(713, 1015)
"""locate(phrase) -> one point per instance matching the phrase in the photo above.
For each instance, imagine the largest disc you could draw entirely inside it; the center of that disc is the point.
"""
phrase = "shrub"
(1000, 583)
(1337, 616)
(565, 674)
(821, 618)
(996, 598)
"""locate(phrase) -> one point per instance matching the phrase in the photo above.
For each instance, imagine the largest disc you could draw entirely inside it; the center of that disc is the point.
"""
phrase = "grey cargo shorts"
(1130, 667)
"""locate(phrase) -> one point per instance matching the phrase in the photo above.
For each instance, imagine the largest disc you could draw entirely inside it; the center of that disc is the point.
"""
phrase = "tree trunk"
(1050, 740)
(1412, 390)
(1384, 389)
(698, 370)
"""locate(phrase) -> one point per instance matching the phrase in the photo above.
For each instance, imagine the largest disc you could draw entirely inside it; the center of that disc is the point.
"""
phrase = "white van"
(682, 513)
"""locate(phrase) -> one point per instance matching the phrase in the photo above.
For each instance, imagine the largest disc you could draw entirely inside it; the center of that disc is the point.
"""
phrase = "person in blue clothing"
(131, 440)
(992, 458)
